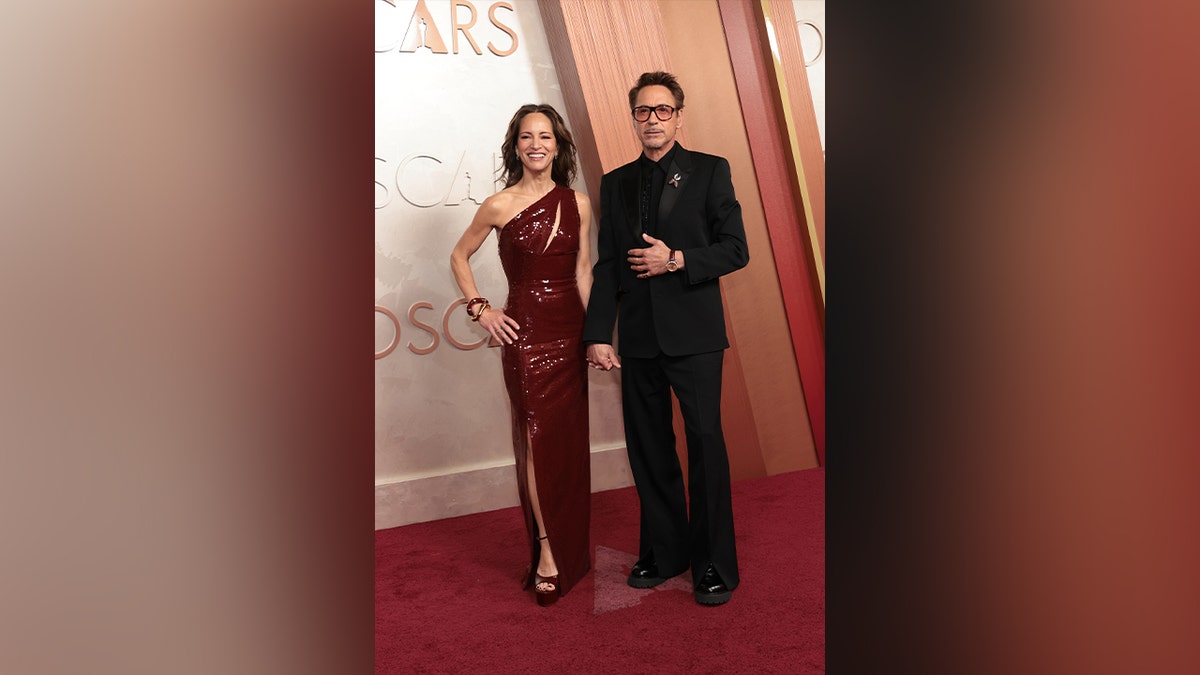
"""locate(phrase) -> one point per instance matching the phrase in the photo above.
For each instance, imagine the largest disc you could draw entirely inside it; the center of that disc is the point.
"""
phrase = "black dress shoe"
(645, 573)
(711, 590)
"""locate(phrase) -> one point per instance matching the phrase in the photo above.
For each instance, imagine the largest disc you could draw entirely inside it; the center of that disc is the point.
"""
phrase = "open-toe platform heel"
(545, 596)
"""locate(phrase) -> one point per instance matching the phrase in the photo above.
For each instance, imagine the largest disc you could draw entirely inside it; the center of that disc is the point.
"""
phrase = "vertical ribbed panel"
(618, 40)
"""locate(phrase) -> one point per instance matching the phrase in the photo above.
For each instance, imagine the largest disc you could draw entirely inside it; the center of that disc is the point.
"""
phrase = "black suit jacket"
(676, 313)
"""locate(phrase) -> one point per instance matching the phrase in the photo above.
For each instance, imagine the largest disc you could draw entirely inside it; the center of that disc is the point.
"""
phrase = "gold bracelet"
(486, 307)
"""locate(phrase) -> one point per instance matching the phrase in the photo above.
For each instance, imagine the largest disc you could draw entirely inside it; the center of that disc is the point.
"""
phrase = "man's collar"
(663, 162)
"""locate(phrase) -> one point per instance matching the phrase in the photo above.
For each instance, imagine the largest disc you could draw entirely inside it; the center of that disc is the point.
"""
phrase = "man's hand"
(652, 261)
(602, 357)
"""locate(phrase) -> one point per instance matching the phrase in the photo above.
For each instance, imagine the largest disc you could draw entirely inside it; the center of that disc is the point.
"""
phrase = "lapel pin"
(674, 182)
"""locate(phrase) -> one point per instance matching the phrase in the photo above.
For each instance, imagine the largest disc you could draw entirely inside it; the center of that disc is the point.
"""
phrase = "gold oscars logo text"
(424, 181)
(434, 338)
(426, 32)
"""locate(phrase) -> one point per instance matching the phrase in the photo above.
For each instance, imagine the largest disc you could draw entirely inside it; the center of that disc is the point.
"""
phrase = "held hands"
(652, 261)
(602, 357)
(502, 326)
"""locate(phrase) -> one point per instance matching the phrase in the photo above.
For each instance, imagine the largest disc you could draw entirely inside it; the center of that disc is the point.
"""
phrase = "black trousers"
(678, 532)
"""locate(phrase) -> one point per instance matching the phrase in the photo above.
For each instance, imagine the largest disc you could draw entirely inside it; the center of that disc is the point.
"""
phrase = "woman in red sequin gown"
(544, 242)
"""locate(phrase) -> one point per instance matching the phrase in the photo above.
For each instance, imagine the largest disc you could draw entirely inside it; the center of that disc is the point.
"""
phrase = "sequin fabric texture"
(545, 373)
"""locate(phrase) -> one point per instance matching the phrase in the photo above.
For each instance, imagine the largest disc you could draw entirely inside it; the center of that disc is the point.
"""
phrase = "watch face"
(672, 265)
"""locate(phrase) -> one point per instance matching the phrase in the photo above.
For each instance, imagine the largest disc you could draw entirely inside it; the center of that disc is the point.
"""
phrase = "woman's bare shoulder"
(496, 205)
(506, 204)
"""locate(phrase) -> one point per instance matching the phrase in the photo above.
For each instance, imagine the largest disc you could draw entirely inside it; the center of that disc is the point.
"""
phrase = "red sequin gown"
(545, 372)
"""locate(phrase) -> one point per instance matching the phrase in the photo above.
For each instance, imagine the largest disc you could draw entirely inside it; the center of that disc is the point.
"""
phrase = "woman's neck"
(536, 183)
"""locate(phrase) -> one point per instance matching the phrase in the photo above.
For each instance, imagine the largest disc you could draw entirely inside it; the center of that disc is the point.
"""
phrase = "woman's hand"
(502, 326)
(602, 357)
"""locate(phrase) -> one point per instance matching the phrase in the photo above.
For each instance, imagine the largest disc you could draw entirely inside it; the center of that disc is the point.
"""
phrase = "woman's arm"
(583, 262)
(501, 326)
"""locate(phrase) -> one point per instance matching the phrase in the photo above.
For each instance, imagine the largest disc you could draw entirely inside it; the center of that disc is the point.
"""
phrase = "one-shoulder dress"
(545, 372)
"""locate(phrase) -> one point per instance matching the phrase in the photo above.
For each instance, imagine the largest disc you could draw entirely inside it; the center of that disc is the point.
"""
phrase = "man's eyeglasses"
(662, 112)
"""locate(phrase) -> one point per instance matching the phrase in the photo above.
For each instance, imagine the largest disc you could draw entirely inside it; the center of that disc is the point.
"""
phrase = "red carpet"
(448, 599)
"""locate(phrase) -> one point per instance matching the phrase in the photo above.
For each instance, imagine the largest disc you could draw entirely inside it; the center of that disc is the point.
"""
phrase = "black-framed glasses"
(662, 112)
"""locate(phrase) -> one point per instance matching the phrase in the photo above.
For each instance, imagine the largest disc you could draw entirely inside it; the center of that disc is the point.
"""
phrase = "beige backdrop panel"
(443, 443)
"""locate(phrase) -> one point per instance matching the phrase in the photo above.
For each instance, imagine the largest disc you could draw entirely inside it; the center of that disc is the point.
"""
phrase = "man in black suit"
(670, 227)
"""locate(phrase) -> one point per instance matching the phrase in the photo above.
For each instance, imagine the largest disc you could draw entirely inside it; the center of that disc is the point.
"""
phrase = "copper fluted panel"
(562, 52)
(613, 42)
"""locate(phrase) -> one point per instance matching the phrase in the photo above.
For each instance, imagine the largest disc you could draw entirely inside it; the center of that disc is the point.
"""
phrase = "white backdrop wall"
(443, 99)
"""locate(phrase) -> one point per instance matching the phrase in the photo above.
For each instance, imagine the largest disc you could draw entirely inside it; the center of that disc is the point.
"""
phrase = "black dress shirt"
(653, 178)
